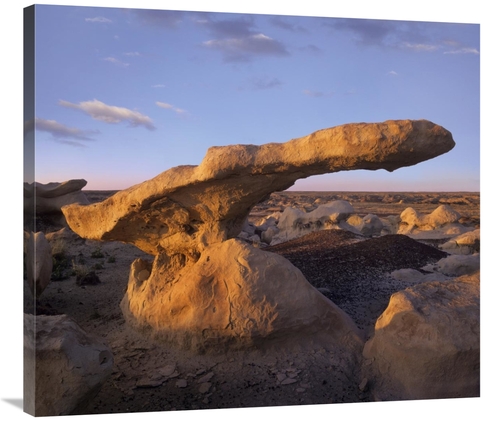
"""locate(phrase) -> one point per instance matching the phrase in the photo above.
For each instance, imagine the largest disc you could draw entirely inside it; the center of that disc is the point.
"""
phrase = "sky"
(123, 94)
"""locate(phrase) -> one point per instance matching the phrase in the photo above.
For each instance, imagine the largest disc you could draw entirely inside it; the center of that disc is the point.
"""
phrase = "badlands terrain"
(352, 270)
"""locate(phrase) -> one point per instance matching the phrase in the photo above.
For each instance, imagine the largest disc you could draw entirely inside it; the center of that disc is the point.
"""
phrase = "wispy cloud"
(392, 73)
(111, 114)
(132, 54)
(311, 49)
(287, 24)
(170, 107)
(116, 62)
(64, 134)
(463, 50)
(167, 19)
(317, 94)
(421, 37)
(239, 41)
(244, 49)
(420, 47)
(262, 83)
(158, 86)
(98, 19)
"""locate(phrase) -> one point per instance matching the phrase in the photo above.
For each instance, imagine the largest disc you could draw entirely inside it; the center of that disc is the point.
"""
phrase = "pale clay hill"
(213, 288)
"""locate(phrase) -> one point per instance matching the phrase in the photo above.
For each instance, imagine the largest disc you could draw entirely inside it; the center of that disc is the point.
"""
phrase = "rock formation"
(38, 259)
(48, 199)
(413, 222)
(426, 343)
(235, 295)
(184, 214)
(295, 223)
(64, 367)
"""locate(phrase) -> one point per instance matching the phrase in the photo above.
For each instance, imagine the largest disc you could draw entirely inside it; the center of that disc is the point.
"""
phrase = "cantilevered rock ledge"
(186, 208)
(207, 290)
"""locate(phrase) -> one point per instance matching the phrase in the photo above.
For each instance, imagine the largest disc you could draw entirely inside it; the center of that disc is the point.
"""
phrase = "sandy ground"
(153, 376)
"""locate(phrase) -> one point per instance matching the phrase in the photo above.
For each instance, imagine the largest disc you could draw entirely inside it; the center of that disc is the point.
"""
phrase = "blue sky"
(124, 94)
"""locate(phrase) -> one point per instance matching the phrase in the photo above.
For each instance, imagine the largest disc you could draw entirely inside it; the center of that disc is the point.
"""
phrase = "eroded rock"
(64, 367)
(186, 208)
(38, 255)
(188, 214)
(50, 198)
(234, 296)
(426, 343)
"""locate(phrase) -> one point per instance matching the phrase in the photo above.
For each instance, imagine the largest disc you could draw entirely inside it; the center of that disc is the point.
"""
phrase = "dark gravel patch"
(354, 272)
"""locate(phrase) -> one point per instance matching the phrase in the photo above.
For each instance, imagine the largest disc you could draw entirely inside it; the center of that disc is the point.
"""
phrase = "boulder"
(295, 223)
(38, 258)
(426, 343)
(371, 225)
(235, 296)
(456, 265)
(413, 221)
(64, 367)
(187, 210)
(466, 243)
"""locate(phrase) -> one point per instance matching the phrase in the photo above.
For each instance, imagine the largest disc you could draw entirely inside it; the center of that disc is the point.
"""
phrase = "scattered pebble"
(181, 383)
(204, 387)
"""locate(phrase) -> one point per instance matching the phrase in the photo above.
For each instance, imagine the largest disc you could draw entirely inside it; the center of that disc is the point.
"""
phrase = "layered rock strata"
(185, 215)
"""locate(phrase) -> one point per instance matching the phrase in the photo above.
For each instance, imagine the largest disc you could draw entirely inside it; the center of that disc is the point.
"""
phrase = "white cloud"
(463, 51)
(158, 86)
(132, 54)
(98, 19)
(392, 73)
(111, 114)
(63, 133)
(170, 107)
(244, 48)
(116, 61)
(420, 47)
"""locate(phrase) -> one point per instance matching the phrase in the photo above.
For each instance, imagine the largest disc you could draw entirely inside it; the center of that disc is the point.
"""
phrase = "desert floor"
(153, 376)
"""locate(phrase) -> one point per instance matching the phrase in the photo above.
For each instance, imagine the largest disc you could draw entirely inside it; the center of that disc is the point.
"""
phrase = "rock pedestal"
(234, 296)
(187, 214)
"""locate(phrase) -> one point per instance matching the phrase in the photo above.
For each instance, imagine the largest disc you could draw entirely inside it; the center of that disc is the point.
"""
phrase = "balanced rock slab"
(426, 343)
(188, 210)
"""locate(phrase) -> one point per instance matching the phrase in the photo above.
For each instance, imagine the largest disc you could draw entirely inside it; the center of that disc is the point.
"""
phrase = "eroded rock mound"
(64, 367)
(184, 214)
(426, 343)
(236, 295)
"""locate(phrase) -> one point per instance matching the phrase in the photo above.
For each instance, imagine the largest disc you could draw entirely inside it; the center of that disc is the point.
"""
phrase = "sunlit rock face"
(186, 211)
(234, 296)
(426, 343)
(186, 208)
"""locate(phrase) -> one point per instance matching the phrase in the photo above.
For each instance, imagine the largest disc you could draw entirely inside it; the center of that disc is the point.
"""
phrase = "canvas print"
(230, 210)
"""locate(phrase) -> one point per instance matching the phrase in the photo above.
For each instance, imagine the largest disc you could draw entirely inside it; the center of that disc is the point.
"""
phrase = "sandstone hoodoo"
(186, 215)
